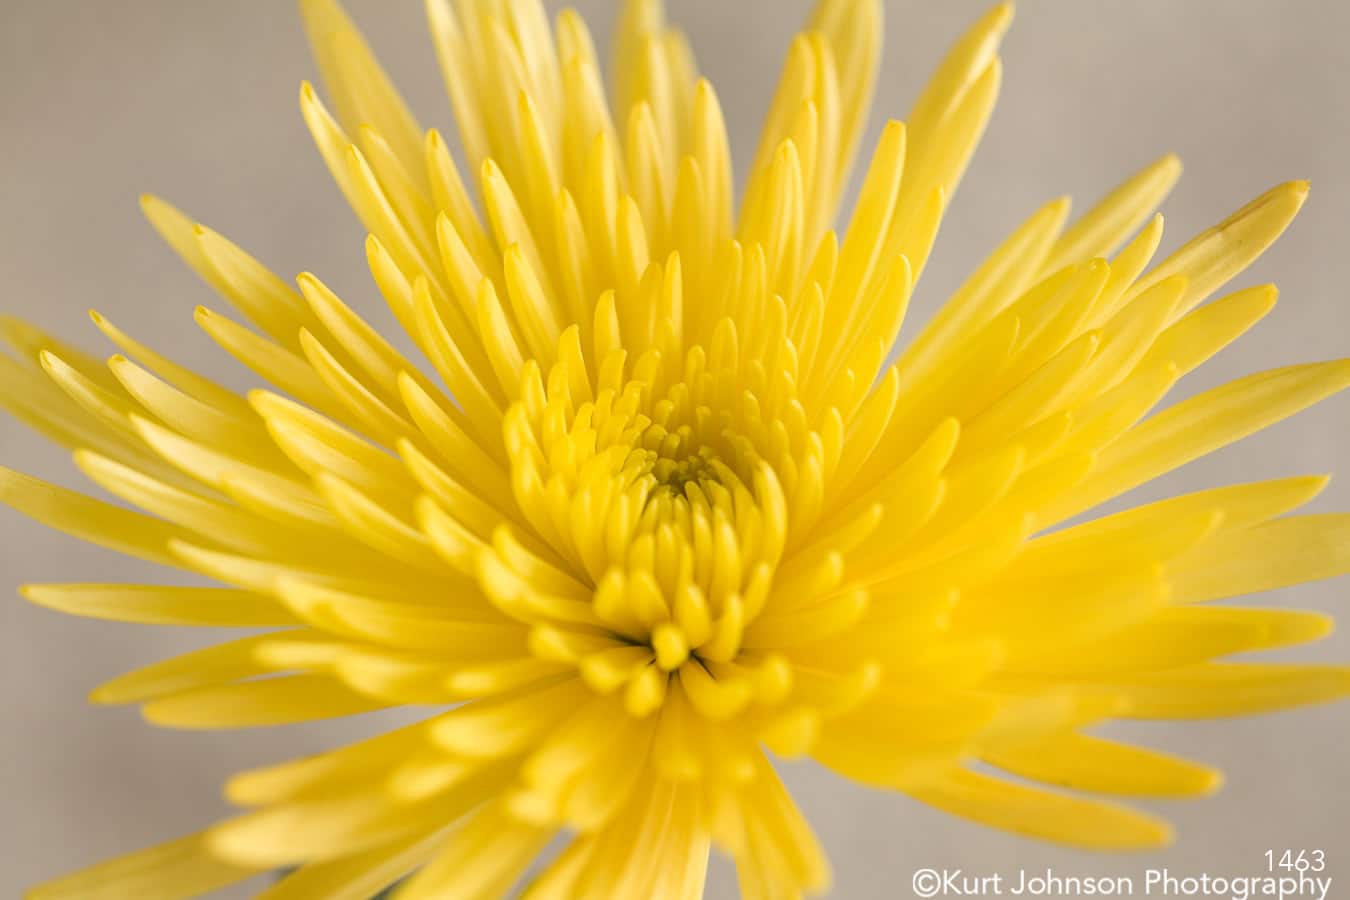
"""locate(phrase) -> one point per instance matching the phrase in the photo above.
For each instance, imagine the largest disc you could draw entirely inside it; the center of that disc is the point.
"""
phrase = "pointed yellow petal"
(160, 605)
(1084, 763)
(252, 704)
(1072, 821)
(1271, 555)
(90, 520)
(1202, 424)
(183, 867)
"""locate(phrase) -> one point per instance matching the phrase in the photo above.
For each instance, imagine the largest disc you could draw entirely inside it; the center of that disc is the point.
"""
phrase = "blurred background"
(197, 102)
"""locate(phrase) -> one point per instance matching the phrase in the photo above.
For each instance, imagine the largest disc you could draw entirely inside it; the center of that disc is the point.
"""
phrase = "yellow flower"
(652, 500)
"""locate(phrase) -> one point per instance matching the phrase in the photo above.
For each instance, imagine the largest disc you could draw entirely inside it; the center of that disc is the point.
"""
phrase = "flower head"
(652, 501)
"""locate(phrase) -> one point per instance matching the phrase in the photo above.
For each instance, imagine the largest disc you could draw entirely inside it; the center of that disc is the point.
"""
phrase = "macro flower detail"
(651, 500)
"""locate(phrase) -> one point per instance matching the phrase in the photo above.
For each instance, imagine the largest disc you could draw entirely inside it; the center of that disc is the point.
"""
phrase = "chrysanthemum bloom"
(653, 503)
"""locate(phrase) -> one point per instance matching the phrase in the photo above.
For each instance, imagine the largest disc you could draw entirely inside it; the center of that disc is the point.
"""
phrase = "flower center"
(674, 474)
(664, 514)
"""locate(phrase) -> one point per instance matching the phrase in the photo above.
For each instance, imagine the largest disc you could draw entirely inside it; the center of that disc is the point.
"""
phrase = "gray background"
(197, 101)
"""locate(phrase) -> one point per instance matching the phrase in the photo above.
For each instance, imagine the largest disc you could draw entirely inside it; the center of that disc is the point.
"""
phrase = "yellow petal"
(1072, 821)
(251, 704)
(482, 859)
(90, 520)
(183, 867)
(1274, 554)
(358, 876)
(1084, 763)
(1202, 424)
(1105, 226)
(1214, 256)
(160, 605)
(1214, 690)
